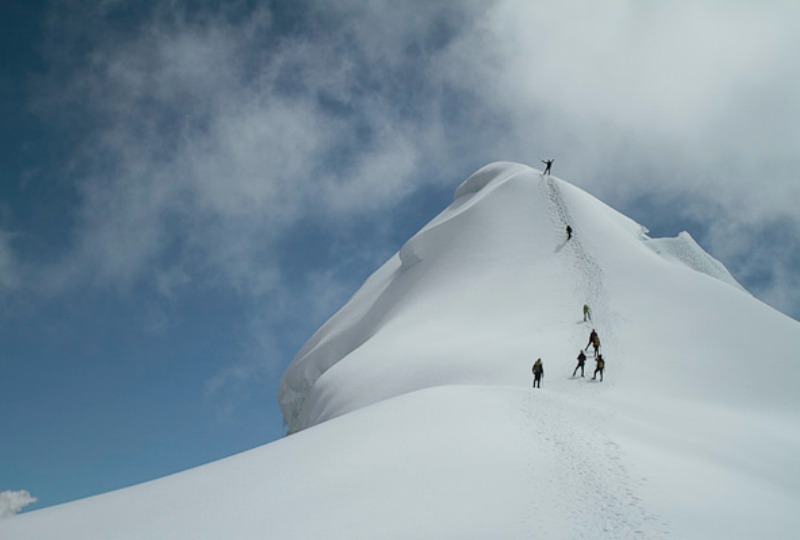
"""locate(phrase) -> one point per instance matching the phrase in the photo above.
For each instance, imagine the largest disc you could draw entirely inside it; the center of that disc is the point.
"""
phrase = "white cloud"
(684, 101)
(601, 74)
(11, 502)
(201, 125)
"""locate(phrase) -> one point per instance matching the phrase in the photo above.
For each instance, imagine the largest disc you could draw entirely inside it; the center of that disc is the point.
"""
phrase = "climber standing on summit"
(548, 164)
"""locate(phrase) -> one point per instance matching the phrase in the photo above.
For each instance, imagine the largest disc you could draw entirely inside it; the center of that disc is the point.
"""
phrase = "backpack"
(601, 364)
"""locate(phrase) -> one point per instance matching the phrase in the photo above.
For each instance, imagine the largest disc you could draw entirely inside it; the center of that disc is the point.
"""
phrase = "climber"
(596, 344)
(569, 232)
(581, 362)
(587, 313)
(548, 164)
(594, 340)
(601, 366)
(538, 373)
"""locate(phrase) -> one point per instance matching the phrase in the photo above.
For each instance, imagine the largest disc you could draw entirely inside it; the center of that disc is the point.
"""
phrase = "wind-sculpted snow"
(684, 249)
(492, 173)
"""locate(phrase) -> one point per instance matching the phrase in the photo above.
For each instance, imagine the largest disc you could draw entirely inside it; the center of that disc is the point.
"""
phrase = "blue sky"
(189, 189)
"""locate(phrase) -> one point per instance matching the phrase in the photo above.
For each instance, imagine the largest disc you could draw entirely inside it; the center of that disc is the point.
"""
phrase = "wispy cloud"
(210, 135)
(11, 502)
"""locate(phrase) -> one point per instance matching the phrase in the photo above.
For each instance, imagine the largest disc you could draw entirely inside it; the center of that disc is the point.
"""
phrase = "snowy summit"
(413, 416)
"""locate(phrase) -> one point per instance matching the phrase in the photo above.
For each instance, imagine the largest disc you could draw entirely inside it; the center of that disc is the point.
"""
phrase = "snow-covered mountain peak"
(488, 284)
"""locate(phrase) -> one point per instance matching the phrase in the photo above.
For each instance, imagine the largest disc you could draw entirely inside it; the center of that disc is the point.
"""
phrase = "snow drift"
(413, 415)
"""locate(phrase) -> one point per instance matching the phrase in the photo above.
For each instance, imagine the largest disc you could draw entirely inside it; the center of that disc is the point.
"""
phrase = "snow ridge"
(590, 273)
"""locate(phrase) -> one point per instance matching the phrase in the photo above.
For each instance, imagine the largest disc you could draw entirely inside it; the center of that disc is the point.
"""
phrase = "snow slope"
(413, 415)
(492, 281)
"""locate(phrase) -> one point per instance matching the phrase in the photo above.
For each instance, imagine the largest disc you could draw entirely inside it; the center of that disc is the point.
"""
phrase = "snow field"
(446, 462)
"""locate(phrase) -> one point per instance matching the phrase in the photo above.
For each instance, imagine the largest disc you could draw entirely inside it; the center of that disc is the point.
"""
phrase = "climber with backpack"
(538, 373)
(581, 362)
(594, 340)
(601, 366)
